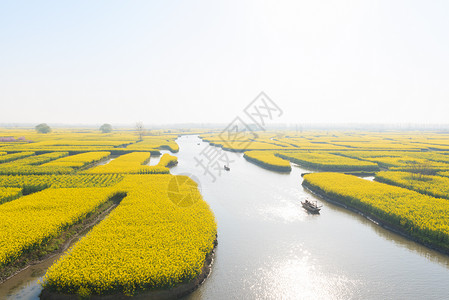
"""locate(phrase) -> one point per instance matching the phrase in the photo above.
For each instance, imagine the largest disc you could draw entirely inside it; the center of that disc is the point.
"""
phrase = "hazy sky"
(203, 61)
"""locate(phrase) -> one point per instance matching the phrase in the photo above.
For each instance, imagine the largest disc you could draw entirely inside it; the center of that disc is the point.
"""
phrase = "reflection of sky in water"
(285, 212)
(30, 291)
(286, 206)
(298, 277)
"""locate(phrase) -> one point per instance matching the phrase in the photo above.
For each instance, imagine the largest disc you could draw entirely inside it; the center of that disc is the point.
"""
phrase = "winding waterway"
(269, 247)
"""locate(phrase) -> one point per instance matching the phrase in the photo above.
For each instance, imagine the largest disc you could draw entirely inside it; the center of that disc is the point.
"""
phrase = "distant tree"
(140, 130)
(106, 128)
(43, 128)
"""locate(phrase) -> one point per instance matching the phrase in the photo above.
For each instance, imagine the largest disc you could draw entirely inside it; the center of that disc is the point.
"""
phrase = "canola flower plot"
(268, 160)
(147, 242)
(79, 160)
(13, 156)
(34, 165)
(33, 183)
(404, 162)
(329, 162)
(443, 173)
(152, 143)
(244, 145)
(28, 222)
(168, 160)
(435, 186)
(131, 163)
(302, 143)
(36, 160)
(72, 141)
(400, 160)
(8, 194)
(423, 217)
(85, 181)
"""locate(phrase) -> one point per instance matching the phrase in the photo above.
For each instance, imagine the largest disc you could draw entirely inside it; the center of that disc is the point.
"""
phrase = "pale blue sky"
(203, 61)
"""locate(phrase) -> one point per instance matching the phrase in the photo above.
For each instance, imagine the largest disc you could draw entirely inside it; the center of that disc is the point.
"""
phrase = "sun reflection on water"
(285, 212)
(299, 278)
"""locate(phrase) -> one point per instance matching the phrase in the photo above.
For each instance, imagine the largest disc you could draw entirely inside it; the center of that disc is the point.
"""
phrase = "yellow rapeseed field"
(30, 221)
(329, 162)
(436, 186)
(8, 194)
(33, 164)
(269, 160)
(39, 182)
(423, 217)
(167, 160)
(79, 160)
(131, 163)
(147, 242)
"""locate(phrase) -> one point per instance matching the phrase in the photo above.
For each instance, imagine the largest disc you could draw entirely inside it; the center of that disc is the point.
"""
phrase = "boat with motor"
(311, 207)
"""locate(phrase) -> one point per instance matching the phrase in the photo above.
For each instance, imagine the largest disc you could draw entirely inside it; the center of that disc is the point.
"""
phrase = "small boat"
(198, 143)
(227, 168)
(311, 207)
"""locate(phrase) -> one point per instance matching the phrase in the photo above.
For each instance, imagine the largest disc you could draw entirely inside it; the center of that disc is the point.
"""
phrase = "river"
(269, 247)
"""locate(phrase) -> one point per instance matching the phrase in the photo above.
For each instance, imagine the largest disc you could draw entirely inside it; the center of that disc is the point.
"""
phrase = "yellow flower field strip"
(328, 162)
(433, 156)
(126, 161)
(273, 141)
(405, 162)
(94, 142)
(35, 160)
(400, 160)
(29, 221)
(433, 141)
(436, 186)
(131, 163)
(442, 157)
(26, 169)
(330, 141)
(149, 144)
(13, 156)
(147, 242)
(433, 146)
(167, 160)
(33, 165)
(267, 159)
(36, 148)
(39, 182)
(242, 142)
(251, 145)
(79, 160)
(71, 142)
(443, 173)
(3, 153)
(422, 216)
(379, 145)
(8, 194)
(313, 144)
(66, 145)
